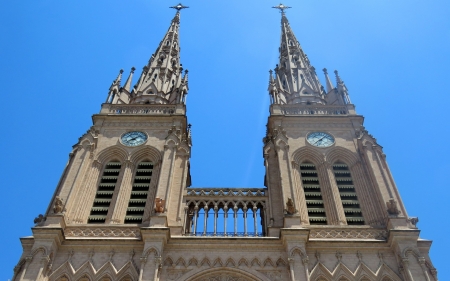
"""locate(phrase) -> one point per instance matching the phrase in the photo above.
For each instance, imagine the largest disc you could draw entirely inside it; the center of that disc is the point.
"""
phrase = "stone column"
(330, 195)
(405, 265)
(254, 221)
(291, 268)
(158, 266)
(225, 217)
(301, 201)
(205, 220)
(245, 221)
(141, 271)
(421, 261)
(28, 260)
(122, 193)
(305, 261)
(215, 219)
(87, 197)
(195, 219)
(235, 219)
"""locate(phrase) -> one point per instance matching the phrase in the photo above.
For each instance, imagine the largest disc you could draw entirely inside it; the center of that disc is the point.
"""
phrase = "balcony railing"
(225, 212)
(142, 109)
(302, 109)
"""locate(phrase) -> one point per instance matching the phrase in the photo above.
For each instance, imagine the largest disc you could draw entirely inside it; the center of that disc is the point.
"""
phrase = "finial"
(189, 125)
(338, 79)
(179, 7)
(133, 69)
(281, 7)
(121, 71)
(325, 71)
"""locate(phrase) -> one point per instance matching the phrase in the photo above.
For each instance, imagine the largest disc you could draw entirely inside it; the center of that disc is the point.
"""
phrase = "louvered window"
(105, 192)
(139, 193)
(313, 195)
(347, 192)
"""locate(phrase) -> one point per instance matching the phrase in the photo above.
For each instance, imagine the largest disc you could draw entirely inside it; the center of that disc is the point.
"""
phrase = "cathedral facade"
(124, 208)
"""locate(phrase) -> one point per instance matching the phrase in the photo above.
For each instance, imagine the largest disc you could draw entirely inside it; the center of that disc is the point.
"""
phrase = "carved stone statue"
(39, 219)
(392, 207)
(58, 207)
(159, 205)
(290, 208)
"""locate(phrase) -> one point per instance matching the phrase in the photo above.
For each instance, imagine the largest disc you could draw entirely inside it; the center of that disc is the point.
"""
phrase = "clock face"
(133, 138)
(320, 139)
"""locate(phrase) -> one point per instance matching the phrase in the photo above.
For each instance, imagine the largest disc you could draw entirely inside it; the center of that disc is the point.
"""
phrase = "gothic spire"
(161, 80)
(296, 79)
(328, 81)
(342, 89)
(129, 79)
(114, 88)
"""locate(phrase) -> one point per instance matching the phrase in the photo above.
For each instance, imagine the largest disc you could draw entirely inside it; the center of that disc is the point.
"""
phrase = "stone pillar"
(291, 268)
(225, 217)
(245, 220)
(87, 197)
(215, 219)
(301, 201)
(330, 195)
(205, 220)
(121, 197)
(141, 270)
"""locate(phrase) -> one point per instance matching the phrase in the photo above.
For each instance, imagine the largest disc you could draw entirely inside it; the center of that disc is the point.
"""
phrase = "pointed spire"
(128, 82)
(338, 79)
(296, 80)
(119, 78)
(328, 81)
(342, 89)
(161, 79)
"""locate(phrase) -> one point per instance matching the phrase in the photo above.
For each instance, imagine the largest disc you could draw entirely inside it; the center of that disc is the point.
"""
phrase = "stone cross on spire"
(281, 7)
(179, 7)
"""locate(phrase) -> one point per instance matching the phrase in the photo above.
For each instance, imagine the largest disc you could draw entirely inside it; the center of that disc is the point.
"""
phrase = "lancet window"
(105, 192)
(347, 192)
(313, 194)
(139, 192)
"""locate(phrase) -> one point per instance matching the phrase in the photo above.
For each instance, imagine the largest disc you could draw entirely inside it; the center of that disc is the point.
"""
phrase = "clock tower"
(124, 209)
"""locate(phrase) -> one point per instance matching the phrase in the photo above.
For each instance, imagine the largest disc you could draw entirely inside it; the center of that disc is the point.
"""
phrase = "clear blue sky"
(58, 59)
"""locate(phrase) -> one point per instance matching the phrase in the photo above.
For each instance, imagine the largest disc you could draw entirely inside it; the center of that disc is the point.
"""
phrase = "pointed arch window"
(313, 194)
(347, 192)
(105, 192)
(139, 192)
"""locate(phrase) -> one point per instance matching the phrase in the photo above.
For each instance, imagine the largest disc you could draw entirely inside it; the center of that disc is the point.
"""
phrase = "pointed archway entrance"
(223, 274)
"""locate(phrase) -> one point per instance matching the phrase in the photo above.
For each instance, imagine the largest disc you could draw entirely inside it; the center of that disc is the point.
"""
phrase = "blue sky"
(58, 59)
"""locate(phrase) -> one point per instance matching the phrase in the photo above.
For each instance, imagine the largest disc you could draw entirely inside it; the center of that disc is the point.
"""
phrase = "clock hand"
(319, 140)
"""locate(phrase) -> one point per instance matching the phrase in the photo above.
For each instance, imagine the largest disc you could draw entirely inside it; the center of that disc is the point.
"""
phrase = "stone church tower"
(124, 209)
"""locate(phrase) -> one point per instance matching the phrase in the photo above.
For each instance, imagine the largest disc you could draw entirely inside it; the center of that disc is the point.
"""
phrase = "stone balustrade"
(224, 212)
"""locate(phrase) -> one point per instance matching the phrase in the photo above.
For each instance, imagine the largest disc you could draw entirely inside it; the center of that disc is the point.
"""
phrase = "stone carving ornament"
(58, 206)
(159, 205)
(223, 277)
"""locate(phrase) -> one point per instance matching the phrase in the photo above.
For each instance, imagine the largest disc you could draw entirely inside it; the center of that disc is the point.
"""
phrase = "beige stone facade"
(125, 210)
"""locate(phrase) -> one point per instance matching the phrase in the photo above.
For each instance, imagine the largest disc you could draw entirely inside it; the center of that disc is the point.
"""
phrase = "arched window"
(139, 192)
(105, 192)
(313, 195)
(347, 192)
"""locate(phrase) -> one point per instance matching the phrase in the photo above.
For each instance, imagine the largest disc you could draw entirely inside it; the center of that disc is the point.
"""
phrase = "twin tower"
(124, 209)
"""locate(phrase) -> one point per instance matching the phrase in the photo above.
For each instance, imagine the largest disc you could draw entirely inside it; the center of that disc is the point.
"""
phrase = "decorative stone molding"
(348, 234)
(137, 124)
(103, 232)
